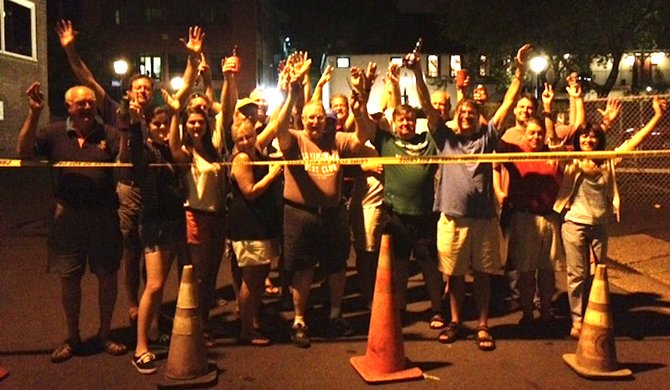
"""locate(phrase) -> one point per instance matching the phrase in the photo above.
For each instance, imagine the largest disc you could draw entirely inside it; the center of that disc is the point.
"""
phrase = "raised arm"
(577, 113)
(193, 45)
(432, 114)
(325, 79)
(660, 107)
(547, 100)
(134, 139)
(391, 97)
(610, 113)
(364, 127)
(174, 136)
(296, 72)
(26, 142)
(229, 67)
(206, 73)
(281, 117)
(577, 98)
(67, 37)
(514, 87)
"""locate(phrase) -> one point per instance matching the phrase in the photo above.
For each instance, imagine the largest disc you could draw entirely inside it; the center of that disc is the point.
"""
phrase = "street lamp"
(120, 68)
(538, 65)
(176, 83)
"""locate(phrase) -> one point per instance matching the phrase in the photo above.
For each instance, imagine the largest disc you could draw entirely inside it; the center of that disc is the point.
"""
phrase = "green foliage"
(586, 29)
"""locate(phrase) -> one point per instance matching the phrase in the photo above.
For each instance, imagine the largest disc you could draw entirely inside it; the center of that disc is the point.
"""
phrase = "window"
(483, 66)
(151, 66)
(18, 28)
(396, 60)
(342, 62)
(433, 66)
(454, 65)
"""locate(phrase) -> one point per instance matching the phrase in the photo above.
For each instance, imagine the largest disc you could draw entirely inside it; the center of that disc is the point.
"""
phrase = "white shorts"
(256, 252)
(366, 227)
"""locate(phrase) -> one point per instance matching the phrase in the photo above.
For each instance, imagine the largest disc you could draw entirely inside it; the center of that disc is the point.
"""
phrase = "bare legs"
(158, 265)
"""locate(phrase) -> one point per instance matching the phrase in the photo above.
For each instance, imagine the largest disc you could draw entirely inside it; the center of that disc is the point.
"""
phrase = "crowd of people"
(207, 181)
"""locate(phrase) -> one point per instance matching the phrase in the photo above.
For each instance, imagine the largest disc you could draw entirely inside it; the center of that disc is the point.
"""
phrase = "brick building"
(145, 33)
(23, 59)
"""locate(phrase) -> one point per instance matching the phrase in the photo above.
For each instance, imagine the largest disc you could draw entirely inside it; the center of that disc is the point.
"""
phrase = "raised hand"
(300, 66)
(393, 73)
(574, 90)
(284, 75)
(229, 65)
(611, 111)
(326, 76)
(35, 97)
(547, 95)
(522, 55)
(660, 105)
(357, 79)
(194, 42)
(371, 75)
(357, 103)
(66, 33)
(170, 100)
(135, 111)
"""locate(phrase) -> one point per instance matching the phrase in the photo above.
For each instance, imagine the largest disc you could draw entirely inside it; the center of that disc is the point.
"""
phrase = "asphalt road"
(32, 324)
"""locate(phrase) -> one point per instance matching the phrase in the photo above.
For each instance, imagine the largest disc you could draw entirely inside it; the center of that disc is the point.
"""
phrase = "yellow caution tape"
(400, 160)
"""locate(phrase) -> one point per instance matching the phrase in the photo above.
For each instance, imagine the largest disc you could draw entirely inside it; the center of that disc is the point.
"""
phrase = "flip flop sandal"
(65, 351)
(437, 321)
(450, 334)
(271, 290)
(113, 348)
(255, 339)
(485, 343)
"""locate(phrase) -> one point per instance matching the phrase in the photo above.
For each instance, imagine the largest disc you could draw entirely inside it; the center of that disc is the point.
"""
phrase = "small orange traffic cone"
(385, 360)
(596, 352)
(187, 358)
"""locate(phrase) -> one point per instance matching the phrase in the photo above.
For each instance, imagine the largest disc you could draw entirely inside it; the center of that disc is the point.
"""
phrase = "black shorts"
(313, 236)
(81, 235)
(162, 234)
(413, 235)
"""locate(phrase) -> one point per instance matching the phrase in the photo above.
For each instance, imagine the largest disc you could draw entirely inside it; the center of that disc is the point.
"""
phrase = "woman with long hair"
(205, 181)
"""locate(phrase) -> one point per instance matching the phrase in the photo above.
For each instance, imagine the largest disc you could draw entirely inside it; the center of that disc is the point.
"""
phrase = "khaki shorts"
(256, 252)
(535, 242)
(465, 244)
(366, 227)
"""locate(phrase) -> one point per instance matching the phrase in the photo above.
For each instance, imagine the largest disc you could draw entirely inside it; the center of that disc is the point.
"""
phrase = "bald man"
(85, 224)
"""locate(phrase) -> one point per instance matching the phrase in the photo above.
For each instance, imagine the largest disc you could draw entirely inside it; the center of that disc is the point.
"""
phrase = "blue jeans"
(580, 242)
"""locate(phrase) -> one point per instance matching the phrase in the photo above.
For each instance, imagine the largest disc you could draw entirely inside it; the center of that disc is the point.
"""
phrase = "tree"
(588, 30)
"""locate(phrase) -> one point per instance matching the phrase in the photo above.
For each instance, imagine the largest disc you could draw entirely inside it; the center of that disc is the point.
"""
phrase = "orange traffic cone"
(385, 360)
(187, 358)
(596, 353)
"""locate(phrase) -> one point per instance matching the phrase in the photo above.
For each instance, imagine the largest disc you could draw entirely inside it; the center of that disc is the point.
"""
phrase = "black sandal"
(485, 343)
(450, 334)
(65, 351)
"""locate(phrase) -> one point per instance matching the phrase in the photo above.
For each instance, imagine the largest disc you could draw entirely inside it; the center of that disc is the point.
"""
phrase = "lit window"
(483, 66)
(18, 28)
(433, 66)
(454, 65)
(150, 66)
(342, 62)
(396, 60)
